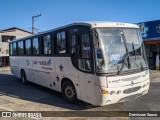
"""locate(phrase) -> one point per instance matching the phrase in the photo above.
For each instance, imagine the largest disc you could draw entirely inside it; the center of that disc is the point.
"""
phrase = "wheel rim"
(69, 91)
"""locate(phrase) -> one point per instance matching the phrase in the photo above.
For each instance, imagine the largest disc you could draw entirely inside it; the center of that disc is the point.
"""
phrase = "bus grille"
(131, 90)
(129, 97)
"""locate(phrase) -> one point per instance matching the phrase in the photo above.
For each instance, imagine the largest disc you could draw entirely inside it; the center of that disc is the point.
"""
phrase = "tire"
(23, 77)
(69, 92)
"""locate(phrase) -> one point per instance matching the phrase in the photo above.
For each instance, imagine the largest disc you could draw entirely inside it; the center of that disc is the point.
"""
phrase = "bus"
(99, 63)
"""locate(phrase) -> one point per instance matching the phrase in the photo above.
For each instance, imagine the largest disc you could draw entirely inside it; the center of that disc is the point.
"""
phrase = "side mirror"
(99, 54)
(99, 57)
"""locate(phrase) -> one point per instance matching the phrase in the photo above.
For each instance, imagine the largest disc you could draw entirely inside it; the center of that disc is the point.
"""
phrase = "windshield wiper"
(126, 57)
(124, 61)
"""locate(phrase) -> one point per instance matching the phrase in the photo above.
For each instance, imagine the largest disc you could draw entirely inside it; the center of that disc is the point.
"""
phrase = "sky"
(56, 13)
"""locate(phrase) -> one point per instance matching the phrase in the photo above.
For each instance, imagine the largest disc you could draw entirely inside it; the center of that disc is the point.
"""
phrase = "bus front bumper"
(108, 96)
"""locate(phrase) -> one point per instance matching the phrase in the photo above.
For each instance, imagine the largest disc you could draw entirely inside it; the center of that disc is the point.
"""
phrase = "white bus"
(100, 63)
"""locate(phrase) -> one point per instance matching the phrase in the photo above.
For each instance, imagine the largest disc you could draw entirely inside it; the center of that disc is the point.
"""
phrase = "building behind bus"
(151, 36)
(7, 35)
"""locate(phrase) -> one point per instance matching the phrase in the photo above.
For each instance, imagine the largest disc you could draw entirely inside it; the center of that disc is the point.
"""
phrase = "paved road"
(14, 96)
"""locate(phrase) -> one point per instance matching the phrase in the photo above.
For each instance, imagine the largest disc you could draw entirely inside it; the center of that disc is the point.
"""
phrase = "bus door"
(81, 58)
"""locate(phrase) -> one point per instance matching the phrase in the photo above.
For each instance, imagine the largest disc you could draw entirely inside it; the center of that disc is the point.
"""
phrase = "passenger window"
(14, 48)
(84, 59)
(73, 44)
(35, 46)
(20, 48)
(11, 49)
(28, 47)
(61, 42)
(47, 44)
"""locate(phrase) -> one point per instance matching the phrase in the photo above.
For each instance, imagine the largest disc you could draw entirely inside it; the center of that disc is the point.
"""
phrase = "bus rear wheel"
(69, 92)
(23, 77)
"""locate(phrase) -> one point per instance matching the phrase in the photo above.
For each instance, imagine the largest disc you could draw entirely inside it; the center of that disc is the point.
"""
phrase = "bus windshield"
(121, 50)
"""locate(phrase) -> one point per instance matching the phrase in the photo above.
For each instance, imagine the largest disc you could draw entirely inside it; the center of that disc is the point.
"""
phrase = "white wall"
(18, 33)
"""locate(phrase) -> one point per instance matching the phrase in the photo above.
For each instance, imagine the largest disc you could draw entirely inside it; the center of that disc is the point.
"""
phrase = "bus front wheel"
(23, 77)
(69, 92)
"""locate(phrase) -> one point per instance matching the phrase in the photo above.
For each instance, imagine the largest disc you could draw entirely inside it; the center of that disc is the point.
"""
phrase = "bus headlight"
(112, 92)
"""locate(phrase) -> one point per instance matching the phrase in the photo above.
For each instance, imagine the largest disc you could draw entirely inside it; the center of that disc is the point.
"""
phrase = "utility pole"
(34, 16)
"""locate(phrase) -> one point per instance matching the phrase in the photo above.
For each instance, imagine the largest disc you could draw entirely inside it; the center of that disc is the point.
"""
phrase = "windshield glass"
(121, 50)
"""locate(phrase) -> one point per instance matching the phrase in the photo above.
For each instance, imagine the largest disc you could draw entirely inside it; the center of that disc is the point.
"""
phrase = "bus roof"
(99, 24)
(93, 24)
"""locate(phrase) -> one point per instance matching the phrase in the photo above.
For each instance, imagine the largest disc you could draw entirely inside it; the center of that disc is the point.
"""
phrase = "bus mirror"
(99, 57)
(99, 54)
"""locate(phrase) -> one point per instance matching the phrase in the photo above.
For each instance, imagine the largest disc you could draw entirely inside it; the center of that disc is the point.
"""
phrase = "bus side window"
(73, 49)
(28, 47)
(14, 48)
(35, 46)
(11, 49)
(61, 42)
(84, 58)
(47, 44)
(20, 48)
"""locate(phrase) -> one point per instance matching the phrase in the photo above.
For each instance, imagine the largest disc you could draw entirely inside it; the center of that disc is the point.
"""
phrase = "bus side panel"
(43, 67)
(65, 69)
(56, 80)
(14, 65)
(34, 76)
(25, 63)
(87, 87)
(64, 66)
(44, 78)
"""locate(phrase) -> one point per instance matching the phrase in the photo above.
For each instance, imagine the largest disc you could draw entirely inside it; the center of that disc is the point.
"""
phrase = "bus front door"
(83, 63)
